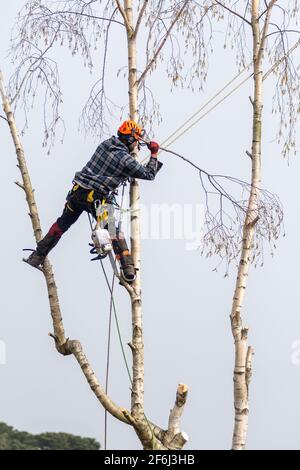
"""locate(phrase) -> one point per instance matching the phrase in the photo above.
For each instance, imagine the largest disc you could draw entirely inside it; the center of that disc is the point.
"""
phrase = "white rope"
(182, 129)
(177, 136)
(166, 144)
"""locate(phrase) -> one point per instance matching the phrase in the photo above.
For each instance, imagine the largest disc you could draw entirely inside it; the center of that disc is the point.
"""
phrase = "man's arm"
(136, 170)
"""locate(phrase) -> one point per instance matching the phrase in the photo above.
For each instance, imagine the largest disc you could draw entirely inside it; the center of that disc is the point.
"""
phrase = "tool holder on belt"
(100, 235)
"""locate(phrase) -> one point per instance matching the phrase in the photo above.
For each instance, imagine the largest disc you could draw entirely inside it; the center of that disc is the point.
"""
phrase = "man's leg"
(71, 213)
(122, 253)
(119, 244)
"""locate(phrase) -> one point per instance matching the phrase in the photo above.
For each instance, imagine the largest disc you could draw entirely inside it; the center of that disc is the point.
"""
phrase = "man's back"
(110, 165)
(104, 171)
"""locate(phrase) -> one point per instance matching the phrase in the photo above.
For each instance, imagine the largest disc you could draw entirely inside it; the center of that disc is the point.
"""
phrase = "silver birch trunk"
(63, 344)
(137, 345)
(150, 436)
(34, 217)
(243, 353)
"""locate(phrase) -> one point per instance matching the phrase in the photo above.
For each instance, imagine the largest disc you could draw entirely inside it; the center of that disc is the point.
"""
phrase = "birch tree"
(38, 29)
(83, 26)
(271, 35)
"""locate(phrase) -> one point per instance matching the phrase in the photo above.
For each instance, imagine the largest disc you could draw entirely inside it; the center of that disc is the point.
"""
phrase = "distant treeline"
(11, 439)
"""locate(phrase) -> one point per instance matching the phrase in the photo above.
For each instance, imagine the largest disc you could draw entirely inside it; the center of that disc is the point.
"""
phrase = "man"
(111, 165)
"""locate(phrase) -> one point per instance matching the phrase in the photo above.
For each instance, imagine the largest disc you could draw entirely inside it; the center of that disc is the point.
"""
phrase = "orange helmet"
(130, 129)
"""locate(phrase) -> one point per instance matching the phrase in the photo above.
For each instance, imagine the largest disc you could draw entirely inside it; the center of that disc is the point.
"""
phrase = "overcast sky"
(186, 304)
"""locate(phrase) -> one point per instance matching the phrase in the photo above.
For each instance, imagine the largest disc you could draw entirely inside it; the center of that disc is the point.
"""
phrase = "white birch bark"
(243, 353)
(150, 436)
(34, 216)
(175, 439)
(63, 344)
(137, 345)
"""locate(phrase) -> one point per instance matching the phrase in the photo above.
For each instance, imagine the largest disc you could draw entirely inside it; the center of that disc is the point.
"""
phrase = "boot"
(127, 268)
(43, 248)
(122, 253)
(35, 259)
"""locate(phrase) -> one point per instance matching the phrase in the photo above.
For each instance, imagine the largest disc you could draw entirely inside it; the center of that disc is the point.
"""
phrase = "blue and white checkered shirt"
(111, 165)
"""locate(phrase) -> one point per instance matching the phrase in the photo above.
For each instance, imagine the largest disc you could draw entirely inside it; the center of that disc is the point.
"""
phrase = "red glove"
(153, 147)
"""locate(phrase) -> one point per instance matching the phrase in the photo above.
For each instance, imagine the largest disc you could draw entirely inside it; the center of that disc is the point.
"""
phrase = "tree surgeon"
(110, 166)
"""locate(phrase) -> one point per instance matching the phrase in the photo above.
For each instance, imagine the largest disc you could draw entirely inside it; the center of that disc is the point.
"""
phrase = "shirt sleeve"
(146, 172)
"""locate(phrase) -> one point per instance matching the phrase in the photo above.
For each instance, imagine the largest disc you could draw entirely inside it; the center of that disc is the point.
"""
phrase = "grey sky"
(186, 305)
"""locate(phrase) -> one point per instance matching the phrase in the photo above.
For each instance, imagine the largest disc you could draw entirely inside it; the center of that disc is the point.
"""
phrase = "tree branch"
(176, 412)
(281, 31)
(149, 65)
(86, 15)
(233, 12)
(281, 59)
(140, 17)
(123, 13)
(20, 185)
(75, 348)
(174, 439)
(265, 29)
(30, 68)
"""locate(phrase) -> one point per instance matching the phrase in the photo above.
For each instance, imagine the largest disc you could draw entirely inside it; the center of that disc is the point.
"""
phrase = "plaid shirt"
(111, 165)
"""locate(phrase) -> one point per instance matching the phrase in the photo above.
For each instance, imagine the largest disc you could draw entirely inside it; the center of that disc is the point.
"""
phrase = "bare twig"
(81, 14)
(20, 185)
(233, 12)
(166, 36)
(224, 226)
(140, 17)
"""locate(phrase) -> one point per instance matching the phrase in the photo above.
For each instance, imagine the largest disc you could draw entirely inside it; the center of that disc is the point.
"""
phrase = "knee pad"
(55, 231)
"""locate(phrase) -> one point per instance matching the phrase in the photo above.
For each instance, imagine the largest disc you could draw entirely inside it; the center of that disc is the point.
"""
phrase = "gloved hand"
(153, 147)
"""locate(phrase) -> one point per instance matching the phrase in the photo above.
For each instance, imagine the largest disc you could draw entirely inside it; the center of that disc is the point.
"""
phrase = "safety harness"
(105, 219)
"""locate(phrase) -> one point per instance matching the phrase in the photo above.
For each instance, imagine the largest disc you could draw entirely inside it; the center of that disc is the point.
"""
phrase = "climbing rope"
(114, 309)
(120, 208)
(108, 358)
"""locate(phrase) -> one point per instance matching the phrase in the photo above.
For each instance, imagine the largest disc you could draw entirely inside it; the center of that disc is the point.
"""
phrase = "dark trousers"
(78, 200)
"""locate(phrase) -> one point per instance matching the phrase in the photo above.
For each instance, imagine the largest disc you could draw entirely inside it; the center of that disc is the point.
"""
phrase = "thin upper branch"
(281, 59)
(265, 29)
(283, 31)
(234, 12)
(140, 17)
(149, 65)
(77, 13)
(31, 66)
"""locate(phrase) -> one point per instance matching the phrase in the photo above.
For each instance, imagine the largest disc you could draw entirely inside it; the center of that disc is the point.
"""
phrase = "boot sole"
(32, 265)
